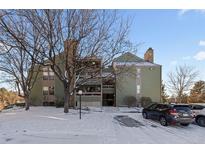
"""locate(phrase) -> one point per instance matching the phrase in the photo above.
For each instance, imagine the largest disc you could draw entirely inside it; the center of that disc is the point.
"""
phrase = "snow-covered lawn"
(51, 125)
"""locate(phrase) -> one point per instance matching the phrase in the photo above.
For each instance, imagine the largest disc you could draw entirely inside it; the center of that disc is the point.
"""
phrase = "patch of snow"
(51, 125)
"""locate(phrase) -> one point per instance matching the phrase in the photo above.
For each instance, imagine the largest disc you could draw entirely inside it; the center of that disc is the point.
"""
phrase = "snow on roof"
(131, 59)
(135, 63)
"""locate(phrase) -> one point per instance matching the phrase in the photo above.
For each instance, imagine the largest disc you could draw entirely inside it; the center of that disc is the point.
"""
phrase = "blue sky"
(177, 37)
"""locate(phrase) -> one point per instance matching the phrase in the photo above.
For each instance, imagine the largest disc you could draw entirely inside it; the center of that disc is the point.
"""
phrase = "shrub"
(20, 104)
(145, 101)
(131, 101)
(59, 104)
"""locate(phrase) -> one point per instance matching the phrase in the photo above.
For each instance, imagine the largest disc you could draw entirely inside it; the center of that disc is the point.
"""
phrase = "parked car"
(200, 118)
(169, 114)
(196, 108)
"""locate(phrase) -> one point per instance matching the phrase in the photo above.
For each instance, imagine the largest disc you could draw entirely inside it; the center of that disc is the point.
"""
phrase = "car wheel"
(144, 114)
(163, 121)
(201, 121)
(184, 124)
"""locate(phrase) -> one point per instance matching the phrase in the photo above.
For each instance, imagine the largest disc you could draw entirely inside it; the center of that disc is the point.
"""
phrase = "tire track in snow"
(169, 130)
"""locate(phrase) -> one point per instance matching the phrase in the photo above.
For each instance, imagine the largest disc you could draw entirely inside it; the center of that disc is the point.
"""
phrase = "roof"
(131, 59)
(128, 57)
(108, 69)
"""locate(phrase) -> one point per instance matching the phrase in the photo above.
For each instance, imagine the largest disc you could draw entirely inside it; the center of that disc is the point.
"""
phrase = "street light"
(80, 92)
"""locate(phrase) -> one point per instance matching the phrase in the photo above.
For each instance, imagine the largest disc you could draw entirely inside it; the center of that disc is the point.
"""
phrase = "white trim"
(138, 89)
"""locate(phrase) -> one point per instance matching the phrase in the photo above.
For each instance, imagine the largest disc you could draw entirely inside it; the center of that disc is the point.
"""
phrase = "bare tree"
(181, 80)
(18, 59)
(91, 33)
(84, 33)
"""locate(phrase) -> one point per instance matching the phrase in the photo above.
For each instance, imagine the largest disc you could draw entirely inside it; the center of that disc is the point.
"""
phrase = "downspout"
(160, 83)
(101, 68)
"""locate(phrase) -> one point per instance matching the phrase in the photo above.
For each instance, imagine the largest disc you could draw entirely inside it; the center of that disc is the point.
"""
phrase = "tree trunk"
(27, 103)
(66, 101)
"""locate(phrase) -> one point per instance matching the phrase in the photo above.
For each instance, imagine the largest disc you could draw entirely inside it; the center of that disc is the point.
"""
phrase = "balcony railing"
(108, 86)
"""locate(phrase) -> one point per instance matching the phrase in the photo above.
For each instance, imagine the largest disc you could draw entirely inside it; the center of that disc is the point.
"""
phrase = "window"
(161, 107)
(45, 90)
(45, 73)
(198, 107)
(51, 90)
(138, 89)
(48, 74)
(50, 70)
(45, 69)
(51, 75)
(91, 89)
(153, 106)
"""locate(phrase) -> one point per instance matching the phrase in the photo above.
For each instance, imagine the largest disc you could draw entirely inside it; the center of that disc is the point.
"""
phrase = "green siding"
(59, 90)
(125, 85)
(151, 83)
(128, 57)
(36, 96)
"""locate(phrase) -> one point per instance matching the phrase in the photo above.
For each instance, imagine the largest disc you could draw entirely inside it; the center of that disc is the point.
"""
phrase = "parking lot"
(98, 125)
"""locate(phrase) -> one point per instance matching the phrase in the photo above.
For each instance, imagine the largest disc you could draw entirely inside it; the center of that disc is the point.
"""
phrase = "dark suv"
(169, 114)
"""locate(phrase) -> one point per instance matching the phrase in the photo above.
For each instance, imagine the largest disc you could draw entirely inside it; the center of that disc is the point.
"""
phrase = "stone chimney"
(149, 55)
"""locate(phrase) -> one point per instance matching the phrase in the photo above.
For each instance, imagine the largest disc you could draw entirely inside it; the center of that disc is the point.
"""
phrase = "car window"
(161, 107)
(182, 107)
(153, 106)
(165, 107)
(198, 107)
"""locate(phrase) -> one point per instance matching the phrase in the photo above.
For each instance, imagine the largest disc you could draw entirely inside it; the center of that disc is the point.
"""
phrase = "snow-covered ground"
(51, 125)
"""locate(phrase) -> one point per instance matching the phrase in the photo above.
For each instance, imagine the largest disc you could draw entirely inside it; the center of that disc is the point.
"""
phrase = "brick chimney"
(149, 55)
(70, 47)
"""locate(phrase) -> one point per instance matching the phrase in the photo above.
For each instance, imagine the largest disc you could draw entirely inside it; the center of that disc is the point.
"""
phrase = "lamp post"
(80, 92)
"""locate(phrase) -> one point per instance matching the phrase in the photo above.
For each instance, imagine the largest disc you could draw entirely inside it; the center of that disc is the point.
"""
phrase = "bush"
(59, 104)
(131, 101)
(20, 104)
(146, 101)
